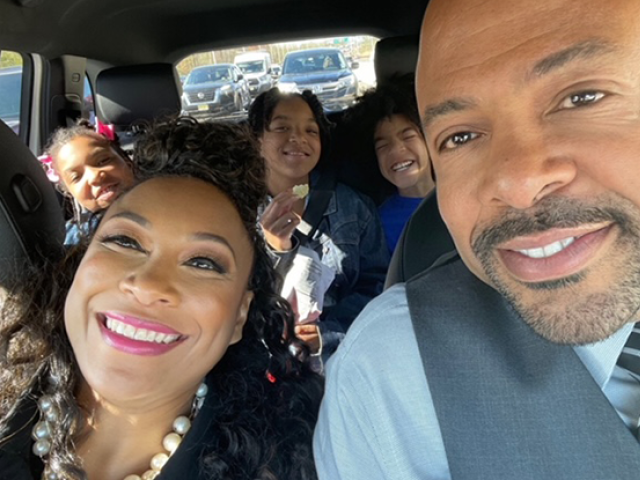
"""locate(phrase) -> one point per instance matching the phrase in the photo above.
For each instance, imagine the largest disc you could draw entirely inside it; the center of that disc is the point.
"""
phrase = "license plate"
(203, 107)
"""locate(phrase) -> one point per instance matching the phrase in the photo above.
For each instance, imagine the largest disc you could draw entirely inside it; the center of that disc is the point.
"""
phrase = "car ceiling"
(123, 32)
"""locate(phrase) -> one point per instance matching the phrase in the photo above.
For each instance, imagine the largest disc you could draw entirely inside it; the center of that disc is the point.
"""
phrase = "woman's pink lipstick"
(136, 336)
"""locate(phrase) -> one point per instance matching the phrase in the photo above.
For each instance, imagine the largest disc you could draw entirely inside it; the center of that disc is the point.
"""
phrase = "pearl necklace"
(49, 415)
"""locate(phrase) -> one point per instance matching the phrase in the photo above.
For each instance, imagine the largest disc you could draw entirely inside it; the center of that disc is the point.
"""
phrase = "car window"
(251, 67)
(262, 67)
(88, 107)
(10, 89)
(206, 75)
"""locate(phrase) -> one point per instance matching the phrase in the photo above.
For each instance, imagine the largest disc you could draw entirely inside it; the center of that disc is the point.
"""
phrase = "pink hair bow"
(47, 163)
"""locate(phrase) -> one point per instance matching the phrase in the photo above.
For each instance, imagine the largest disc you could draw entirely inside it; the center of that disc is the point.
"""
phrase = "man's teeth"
(140, 334)
(401, 166)
(548, 250)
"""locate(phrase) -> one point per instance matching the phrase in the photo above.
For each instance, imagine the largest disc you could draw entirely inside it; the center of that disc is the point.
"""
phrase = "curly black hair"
(262, 428)
(396, 96)
(354, 136)
(261, 113)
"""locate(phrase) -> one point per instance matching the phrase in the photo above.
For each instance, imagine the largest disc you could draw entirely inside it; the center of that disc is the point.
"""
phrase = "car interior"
(129, 50)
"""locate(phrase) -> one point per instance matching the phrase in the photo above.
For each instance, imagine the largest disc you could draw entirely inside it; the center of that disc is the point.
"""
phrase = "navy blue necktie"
(629, 359)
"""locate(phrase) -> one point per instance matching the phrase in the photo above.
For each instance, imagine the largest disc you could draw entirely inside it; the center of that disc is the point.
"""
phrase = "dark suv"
(10, 93)
(325, 72)
(215, 89)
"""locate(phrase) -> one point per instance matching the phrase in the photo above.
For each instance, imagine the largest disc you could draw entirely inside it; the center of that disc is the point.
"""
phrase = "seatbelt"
(319, 198)
(509, 404)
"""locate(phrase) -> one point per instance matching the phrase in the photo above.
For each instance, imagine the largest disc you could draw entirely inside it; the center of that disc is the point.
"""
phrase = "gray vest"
(511, 406)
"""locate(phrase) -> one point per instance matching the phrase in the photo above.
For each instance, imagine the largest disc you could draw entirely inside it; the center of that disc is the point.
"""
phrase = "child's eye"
(205, 263)
(123, 241)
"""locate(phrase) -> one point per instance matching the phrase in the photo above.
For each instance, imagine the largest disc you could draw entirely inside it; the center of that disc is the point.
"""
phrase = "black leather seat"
(395, 57)
(130, 96)
(31, 218)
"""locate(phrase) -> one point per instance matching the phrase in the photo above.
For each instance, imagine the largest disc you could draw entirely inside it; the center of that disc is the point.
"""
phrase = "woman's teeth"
(548, 250)
(139, 334)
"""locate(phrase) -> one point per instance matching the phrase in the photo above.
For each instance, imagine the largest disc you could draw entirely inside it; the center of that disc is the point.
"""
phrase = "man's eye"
(205, 263)
(122, 241)
(581, 99)
(457, 140)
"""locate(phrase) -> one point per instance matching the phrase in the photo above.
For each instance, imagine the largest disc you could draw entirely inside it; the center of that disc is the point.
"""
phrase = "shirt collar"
(600, 358)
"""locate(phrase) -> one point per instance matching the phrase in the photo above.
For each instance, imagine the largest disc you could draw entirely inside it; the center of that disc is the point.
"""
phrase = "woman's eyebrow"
(134, 217)
(212, 237)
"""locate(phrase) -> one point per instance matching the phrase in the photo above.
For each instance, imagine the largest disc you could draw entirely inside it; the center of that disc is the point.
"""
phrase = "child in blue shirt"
(390, 112)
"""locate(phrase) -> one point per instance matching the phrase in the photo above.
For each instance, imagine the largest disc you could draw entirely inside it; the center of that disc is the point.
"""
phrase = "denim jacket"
(350, 240)
(84, 229)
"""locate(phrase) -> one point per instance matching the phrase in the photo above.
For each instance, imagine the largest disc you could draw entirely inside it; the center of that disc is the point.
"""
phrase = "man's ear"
(243, 313)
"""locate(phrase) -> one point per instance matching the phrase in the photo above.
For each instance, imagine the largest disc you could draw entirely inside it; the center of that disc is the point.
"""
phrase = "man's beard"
(564, 310)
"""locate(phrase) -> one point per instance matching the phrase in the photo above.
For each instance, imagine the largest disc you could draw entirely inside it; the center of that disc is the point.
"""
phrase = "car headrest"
(31, 218)
(137, 93)
(424, 243)
(395, 56)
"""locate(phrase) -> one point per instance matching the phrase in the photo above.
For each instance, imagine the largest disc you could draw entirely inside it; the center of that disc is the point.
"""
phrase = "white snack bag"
(310, 279)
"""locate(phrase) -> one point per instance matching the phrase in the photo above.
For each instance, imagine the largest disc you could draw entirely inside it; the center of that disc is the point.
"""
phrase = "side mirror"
(269, 71)
(354, 65)
(240, 76)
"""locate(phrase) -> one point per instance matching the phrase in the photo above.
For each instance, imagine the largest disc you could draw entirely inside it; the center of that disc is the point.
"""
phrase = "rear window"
(10, 89)
(263, 65)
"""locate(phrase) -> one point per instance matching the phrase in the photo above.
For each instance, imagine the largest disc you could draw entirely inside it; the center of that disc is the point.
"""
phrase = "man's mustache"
(552, 212)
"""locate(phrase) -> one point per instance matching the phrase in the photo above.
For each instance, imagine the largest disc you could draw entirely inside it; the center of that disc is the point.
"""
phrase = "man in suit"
(515, 360)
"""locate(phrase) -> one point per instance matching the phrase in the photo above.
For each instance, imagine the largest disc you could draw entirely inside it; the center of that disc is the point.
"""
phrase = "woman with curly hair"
(161, 350)
(345, 236)
(88, 168)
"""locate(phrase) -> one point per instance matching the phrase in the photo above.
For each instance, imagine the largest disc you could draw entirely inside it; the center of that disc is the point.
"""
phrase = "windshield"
(10, 89)
(310, 62)
(256, 66)
(206, 75)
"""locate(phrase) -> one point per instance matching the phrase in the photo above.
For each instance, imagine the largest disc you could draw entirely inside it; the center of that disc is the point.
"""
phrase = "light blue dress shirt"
(377, 419)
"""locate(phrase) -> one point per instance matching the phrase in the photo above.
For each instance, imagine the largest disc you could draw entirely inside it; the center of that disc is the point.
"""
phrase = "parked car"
(256, 67)
(215, 89)
(10, 88)
(325, 72)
